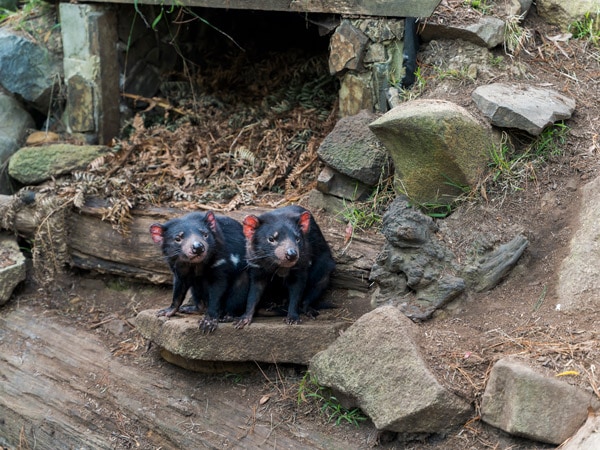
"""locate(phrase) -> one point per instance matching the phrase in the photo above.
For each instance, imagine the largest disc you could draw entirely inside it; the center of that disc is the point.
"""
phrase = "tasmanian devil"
(207, 254)
(285, 248)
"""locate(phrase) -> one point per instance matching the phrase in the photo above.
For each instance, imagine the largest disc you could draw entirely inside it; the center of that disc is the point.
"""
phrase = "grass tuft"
(588, 28)
(330, 406)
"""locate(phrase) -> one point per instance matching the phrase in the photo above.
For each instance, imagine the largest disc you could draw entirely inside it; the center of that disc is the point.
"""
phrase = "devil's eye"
(271, 239)
(205, 234)
(179, 238)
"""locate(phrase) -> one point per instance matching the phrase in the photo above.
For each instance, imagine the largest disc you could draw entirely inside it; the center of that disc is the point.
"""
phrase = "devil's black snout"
(197, 248)
(291, 254)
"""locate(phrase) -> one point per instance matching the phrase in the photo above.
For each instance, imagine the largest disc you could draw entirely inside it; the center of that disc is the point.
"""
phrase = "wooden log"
(62, 388)
(95, 245)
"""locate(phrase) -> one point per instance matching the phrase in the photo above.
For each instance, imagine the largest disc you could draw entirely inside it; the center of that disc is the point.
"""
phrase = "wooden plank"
(383, 8)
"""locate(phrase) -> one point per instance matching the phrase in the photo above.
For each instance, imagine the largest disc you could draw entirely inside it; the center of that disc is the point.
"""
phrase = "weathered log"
(62, 388)
(94, 244)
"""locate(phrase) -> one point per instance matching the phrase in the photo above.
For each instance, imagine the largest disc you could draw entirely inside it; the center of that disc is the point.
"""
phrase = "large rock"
(527, 108)
(29, 69)
(353, 150)
(12, 266)
(348, 46)
(32, 165)
(437, 147)
(266, 339)
(377, 365)
(579, 277)
(487, 32)
(588, 436)
(524, 402)
(563, 14)
(15, 122)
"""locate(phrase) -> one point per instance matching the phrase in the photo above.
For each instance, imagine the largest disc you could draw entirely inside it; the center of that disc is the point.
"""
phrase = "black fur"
(207, 254)
(287, 255)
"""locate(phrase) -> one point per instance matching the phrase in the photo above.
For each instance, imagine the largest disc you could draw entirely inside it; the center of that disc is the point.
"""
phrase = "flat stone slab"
(524, 107)
(267, 339)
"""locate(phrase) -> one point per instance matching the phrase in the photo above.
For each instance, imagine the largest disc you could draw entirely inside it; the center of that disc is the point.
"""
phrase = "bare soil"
(461, 342)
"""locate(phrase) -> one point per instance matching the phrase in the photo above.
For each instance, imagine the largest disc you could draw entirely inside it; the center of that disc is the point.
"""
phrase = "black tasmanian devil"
(207, 254)
(286, 248)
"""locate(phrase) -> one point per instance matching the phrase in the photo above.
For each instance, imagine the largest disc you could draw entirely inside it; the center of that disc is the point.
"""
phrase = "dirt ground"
(464, 340)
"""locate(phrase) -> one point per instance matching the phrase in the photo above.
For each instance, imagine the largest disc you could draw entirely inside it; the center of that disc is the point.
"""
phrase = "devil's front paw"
(292, 320)
(208, 325)
(242, 322)
(189, 309)
(167, 312)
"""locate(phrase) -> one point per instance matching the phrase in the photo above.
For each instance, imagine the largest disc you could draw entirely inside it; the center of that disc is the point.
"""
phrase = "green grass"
(550, 142)
(483, 6)
(588, 28)
(368, 214)
(24, 12)
(329, 406)
(510, 170)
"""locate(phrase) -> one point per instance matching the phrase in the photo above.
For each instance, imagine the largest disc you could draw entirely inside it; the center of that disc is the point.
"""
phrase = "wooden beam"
(382, 8)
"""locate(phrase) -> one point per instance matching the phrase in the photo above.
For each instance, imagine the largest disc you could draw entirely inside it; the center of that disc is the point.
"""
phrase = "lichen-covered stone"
(438, 149)
(377, 364)
(266, 339)
(353, 150)
(32, 165)
(525, 402)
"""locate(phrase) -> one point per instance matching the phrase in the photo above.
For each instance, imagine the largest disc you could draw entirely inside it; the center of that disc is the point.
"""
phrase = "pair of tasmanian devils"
(232, 268)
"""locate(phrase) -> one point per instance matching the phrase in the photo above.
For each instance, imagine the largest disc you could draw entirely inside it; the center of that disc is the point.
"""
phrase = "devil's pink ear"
(251, 223)
(304, 222)
(211, 220)
(157, 230)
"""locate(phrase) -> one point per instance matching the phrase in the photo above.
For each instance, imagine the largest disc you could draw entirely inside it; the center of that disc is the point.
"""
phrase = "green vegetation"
(330, 406)
(415, 91)
(235, 378)
(483, 6)
(368, 214)
(587, 28)
(461, 74)
(510, 170)
(27, 11)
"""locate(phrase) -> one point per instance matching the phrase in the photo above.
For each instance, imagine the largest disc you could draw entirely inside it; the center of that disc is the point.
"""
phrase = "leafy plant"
(330, 406)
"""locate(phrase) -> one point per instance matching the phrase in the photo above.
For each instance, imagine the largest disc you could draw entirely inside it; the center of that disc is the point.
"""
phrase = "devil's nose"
(197, 248)
(291, 254)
